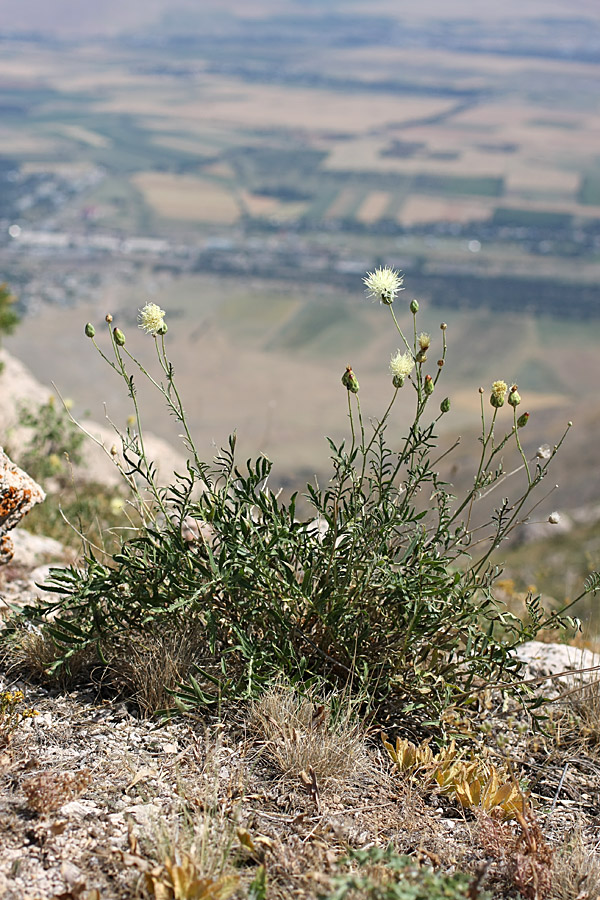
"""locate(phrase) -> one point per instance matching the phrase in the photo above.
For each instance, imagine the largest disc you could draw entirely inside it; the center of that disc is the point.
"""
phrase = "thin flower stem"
(362, 427)
(523, 457)
(400, 332)
(180, 411)
(351, 421)
(443, 357)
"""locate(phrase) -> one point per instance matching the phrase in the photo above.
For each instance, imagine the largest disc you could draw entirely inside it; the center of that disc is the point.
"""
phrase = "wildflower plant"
(386, 589)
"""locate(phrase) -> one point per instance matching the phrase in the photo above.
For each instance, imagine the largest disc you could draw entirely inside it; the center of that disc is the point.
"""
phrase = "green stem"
(400, 332)
(523, 457)
(350, 416)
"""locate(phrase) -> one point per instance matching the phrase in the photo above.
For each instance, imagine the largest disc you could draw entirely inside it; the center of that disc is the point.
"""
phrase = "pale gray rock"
(543, 660)
(33, 550)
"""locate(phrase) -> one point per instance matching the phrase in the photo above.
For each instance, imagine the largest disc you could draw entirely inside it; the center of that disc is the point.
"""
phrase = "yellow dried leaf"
(246, 840)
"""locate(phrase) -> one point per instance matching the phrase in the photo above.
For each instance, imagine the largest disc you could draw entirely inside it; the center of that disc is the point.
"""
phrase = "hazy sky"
(73, 17)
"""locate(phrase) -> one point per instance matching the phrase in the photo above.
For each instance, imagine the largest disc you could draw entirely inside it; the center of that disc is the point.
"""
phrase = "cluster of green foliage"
(73, 509)
(9, 318)
(387, 588)
(390, 876)
(54, 442)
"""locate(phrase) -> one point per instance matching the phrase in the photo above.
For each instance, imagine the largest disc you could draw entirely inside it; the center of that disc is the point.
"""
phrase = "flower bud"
(514, 398)
(90, 331)
(428, 386)
(414, 307)
(522, 420)
(350, 381)
(108, 318)
(443, 326)
(445, 405)
(162, 329)
(440, 363)
(119, 337)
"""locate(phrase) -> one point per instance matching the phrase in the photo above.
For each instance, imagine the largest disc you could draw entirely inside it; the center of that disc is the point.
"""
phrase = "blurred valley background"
(243, 163)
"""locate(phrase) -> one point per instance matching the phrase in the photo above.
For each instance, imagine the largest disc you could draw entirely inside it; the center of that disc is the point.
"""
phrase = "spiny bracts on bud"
(514, 398)
(350, 381)
(119, 337)
(414, 307)
(90, 331)
(428, 385)
(499, 389)
(445, 405)
(522, 420)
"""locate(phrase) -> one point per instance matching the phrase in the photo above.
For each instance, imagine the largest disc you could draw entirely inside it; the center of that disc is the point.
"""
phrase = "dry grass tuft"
(33, 653)
(583, 704)
(576, 870)
(303, 736)
(151, 665)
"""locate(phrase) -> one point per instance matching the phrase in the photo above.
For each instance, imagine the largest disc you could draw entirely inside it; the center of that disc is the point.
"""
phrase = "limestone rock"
(553, 659)
(18, 494)
(33, 550)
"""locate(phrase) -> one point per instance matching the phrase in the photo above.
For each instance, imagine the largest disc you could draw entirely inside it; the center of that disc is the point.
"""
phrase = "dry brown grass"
(373, 206)
(576, 718)
(302, 736)
(187, 198)
(33, 653)
(576, 870)
(149, 666)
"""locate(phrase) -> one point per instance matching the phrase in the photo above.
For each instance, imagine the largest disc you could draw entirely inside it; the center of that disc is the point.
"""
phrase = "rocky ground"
(97, 802)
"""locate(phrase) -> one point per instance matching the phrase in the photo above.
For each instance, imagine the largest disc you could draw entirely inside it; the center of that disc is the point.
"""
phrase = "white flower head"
(151, 318)
(544, 452)
(401, 365)
(384, 284)
(554, 518)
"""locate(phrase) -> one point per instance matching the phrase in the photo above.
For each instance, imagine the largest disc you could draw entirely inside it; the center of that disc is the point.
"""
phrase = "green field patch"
(323, 200)
(255, 317)
(348, 335)
(559, 332)
(355, 201)
(540, 376)
(589, 190)
(121, 205)
(275, 162)
(394, 204)
(311, 320)
(533, 218)
(553, 123)
(451, 185)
